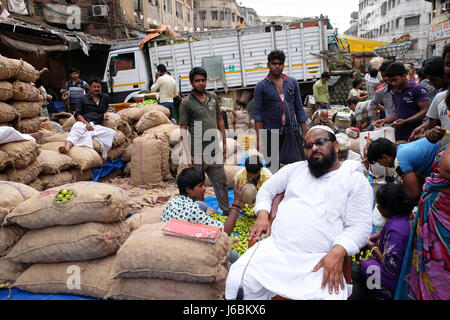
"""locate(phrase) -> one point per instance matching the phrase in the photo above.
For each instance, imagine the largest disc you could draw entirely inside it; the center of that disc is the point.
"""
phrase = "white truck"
(130, 72)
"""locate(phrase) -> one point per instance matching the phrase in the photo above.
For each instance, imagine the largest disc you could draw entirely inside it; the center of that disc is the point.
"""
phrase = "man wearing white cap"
(316, 227)
(344, 149)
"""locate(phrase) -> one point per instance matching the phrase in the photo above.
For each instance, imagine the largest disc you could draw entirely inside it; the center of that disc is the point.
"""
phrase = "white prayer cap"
(326, 128)
(344, 141)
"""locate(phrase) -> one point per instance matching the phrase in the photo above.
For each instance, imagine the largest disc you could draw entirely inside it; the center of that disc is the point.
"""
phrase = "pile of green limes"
(147, 102)
(248, 211)
(362, 256)
(64, 196)
(242, 227)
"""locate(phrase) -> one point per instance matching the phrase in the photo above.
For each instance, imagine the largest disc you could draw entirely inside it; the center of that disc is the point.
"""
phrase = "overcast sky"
(337, 10)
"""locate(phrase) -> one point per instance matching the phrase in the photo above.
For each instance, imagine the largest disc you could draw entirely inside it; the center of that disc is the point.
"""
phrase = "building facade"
(216, 14)
(250, 16)
(387, 20)
(354, 20)
(440, 26)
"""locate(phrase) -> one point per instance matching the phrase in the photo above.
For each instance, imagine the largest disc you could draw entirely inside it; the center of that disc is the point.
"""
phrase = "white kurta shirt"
(315, 215)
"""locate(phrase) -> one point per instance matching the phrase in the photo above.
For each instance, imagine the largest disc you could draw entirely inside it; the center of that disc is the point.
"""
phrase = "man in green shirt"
(320, 90)
(200, 115)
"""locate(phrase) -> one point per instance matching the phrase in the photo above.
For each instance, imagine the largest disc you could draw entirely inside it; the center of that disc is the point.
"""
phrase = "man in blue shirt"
(412, 161)
(278, 106)
(77, 88)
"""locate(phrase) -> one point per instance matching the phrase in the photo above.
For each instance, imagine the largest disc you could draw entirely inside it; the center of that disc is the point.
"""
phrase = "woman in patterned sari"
(425, 271)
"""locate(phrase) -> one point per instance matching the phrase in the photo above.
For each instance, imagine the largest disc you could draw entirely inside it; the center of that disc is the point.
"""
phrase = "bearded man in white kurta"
(325, 216)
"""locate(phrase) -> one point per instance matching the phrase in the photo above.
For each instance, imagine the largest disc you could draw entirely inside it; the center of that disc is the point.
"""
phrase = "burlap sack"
(3, 160)
(7, 113)
(146, 161)
(113, 122)
(85, 158)
(53, 162)
(10, 270)
(115, 153)
(249, 194)
(230, 171)
(8, 68)
(93, 202)
(126, 129)
(70, 243)
(28, 125)
(79, 175)
(147, 216)
(6, 90)
(148, 253)
(95, 278)
(25, 175)
(126, 156)
(22, 153)
(151, 119)
(127, 170)
(9, 236)
(37, 184)
(171, 130)
(165, 154)
(134, 114)
(24, 91)
(3, 177)
(11, 195)
(28, 110)
(119, 139)
(97, 147)
(61, 137)
(68, 124)
(60, 117)
(159, 289)
(56, 179)
(28, 73)
(157, 107)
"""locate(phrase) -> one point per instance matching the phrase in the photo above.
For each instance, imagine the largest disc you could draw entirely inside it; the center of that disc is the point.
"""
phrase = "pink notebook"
(192, 230)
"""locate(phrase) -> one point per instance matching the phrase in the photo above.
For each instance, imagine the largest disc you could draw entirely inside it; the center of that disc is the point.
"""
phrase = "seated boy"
(254, 174)
(362, 112)
(190, 206)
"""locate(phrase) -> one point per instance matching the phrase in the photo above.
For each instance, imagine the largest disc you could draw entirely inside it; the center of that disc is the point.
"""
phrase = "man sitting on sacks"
(325, 216)
(90, 112)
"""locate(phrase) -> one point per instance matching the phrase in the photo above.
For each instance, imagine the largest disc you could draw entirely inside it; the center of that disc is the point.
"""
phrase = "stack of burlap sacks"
(20, 101)
(78, 238)
(11, 195)
(154, 266)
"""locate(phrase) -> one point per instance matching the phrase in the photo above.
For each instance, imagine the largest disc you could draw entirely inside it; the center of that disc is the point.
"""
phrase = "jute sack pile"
(126, 156)
(11, 195)
(68, 124)
(28, 73)
(55, 179)
(78, 175)
(147, 216)
(85, 158)
(25, 92)
(165, 154)
(151, 119)
(22, 153)
(92, 202)
(51, 278)
(53, 162)
(3, 160)
(28, 126)
(24, 175)
(61, 137)
(9, 236)
(170, 129)
(37, 184)
(27, 110)
(230, 171)
(148, 253)
(134, 114)
(10, 271)
(146, 161)
(151, 289)
(80, 242)
(7, 113)
(60, 118)
(6, 91)
(9, 68)
(118, 151)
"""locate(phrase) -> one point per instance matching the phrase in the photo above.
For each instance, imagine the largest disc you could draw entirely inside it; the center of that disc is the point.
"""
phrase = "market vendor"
(325, 216)
(90, 112)
(344, 149)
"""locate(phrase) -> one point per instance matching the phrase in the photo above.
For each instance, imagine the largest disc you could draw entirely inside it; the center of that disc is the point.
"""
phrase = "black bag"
(289, 149)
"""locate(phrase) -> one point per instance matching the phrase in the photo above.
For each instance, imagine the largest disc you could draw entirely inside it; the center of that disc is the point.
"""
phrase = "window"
(168, 6)
(397, 23)
(383, 8)
(137, 5)
(188, 15)
(214, 15)
(178, 10)
(393, 4)
(222, 15)
(233, 17)
(202, 15)
(124, 61)
(412, 21)
(154, 2)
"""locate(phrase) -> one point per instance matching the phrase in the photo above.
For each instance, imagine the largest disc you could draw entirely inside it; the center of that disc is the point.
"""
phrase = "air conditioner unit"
(100, 10)
(445, 6)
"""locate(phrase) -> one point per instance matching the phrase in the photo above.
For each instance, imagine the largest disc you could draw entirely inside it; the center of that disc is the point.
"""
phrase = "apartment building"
(440, 26)
(387, 20)
(216, 14)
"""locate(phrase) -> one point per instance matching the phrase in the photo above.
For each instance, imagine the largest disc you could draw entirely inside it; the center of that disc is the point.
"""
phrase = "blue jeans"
(233, 254)
(168, 105)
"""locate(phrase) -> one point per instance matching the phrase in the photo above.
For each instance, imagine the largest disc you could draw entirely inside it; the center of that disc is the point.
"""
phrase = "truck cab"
(127, 72)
